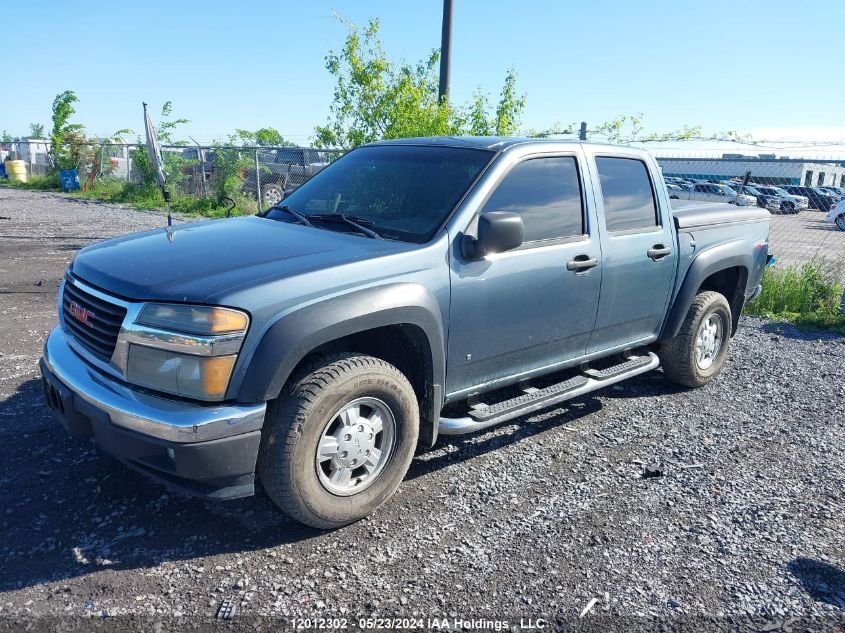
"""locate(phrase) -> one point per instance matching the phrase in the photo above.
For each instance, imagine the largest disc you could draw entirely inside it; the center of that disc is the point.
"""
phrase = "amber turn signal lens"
(216, 373)
(222, 320)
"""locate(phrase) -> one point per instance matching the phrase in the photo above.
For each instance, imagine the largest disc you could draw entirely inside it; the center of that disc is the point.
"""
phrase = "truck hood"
(205, 259)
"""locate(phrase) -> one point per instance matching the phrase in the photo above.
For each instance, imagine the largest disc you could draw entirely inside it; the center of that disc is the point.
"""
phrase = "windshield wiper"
(353, 221)
(302, 218)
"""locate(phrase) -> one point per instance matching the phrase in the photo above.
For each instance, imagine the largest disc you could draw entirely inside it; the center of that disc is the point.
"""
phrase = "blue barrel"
(70, 179)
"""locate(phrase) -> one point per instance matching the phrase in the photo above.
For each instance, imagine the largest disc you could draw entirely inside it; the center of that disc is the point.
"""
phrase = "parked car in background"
(837, 215)
(281, 171)
(710, 192)
(818, 199)
(673, 190)
(766, 201)
(836, 191)
(789, 202)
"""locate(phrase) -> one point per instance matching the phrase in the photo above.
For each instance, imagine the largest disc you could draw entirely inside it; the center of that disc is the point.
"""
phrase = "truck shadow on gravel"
(69, 510)
(822, 581)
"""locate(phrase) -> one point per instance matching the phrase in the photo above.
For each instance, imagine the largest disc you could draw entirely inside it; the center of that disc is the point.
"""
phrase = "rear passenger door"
(639, 254)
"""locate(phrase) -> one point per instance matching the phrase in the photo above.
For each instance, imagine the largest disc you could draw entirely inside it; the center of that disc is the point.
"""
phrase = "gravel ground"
(548, 517)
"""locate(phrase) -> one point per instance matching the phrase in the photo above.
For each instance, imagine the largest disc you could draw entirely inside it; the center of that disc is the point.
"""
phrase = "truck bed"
(690, 214)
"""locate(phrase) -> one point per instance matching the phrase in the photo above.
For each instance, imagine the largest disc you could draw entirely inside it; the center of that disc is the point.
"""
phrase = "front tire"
(840, 222)
(696, 354)
(339, 440)
(272, 194)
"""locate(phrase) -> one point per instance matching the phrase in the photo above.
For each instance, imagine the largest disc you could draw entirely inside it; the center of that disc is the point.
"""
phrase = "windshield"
(727, 190)
(403, 192)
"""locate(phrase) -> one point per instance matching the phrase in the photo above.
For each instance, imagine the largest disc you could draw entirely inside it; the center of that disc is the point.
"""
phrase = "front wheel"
(339, 440)
(272, 194)
(696, 354)
(840, 222)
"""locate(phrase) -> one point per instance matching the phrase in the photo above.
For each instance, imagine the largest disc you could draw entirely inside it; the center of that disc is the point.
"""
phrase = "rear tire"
(696, 354)
(317, 415)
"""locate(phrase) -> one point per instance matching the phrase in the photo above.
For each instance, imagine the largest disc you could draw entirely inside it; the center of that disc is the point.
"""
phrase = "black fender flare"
(733, 254)
(294, 335)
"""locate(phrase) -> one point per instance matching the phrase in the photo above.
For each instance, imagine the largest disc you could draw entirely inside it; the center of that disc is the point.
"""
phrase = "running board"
(482, 415)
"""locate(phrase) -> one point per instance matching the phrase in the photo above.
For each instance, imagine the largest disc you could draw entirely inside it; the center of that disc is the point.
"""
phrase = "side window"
(627, 193)
(699, 188)
(546, 193)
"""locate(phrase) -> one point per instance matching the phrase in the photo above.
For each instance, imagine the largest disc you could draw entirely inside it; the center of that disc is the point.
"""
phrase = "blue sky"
(767, 67)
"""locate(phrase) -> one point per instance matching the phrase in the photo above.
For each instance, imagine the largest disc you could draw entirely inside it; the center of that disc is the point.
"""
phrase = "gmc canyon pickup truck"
(411, 288)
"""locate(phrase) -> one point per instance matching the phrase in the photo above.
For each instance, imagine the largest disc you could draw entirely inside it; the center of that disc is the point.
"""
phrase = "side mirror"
(498, 231)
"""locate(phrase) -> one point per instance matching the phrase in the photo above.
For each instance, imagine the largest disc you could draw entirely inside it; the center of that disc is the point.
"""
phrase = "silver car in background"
(710, 192)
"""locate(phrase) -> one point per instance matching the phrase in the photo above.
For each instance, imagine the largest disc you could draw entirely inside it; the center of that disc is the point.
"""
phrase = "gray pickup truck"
(280, 171)
(413, 287)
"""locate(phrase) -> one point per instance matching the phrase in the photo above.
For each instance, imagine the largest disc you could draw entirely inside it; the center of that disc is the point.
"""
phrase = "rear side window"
(627, 193)
(546, 193)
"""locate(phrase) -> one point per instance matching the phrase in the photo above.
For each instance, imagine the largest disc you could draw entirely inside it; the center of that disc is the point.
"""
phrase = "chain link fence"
(263, 174)
(799, 192)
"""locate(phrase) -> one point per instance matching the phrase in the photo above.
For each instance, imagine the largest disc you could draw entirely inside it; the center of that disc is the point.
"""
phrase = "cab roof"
(493, 143)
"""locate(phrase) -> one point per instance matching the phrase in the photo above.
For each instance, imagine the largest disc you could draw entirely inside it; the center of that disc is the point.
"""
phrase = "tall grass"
(809, 295)
(140, 196)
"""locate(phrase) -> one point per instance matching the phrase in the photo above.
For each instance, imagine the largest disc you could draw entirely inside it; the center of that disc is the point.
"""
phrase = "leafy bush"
(809, 295)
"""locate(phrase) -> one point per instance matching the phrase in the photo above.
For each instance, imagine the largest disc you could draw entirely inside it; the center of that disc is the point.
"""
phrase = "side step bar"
(482, 416)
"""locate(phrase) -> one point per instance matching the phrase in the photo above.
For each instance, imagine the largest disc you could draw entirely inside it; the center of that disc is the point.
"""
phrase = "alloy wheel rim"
(708, 341)
(355, 446)
(272, 196)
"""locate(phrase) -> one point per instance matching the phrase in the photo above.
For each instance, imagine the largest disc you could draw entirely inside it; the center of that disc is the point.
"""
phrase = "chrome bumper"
(162, 418)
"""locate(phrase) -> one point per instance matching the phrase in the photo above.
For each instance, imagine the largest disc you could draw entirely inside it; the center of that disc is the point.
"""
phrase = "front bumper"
(205, 450)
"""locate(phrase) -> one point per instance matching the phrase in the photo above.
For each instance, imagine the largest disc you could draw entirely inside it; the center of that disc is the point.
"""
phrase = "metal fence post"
(582, 134)
(257, 182)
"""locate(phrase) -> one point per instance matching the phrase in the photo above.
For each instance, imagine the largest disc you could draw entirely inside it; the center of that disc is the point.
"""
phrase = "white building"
(769, 170)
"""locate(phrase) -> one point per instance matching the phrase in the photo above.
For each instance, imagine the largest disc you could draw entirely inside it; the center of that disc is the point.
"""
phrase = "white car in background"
(711, 192)
(837, 215)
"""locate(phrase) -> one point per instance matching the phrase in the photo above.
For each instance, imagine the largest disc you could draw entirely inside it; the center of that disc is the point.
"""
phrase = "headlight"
(200, 377)
(185, 350)
(203, 320)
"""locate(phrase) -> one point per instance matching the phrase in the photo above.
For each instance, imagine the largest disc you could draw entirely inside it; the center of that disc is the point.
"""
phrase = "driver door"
(518, 312)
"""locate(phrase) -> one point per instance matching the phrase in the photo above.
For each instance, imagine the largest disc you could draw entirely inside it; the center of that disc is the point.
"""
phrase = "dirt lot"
(543, 518)
(807, 235)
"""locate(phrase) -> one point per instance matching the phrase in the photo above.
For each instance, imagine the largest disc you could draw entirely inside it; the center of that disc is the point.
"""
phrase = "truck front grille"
(94, 322)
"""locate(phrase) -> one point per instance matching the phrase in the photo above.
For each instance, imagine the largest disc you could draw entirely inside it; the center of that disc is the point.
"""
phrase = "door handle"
(658, 251)
(582, 263)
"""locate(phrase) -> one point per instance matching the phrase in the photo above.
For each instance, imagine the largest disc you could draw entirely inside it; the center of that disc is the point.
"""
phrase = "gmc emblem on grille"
(80, 314)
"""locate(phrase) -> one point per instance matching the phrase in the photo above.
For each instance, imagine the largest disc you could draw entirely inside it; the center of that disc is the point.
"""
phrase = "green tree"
(65, 136)
(375, 98)
(262, 137)
(36, 130)
(167, 125)
(5, 137)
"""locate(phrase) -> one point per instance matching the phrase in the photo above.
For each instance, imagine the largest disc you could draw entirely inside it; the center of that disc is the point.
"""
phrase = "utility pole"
(445, 50)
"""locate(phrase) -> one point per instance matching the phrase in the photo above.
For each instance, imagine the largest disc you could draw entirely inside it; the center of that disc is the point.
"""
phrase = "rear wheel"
(696, 354)
(339, 440)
